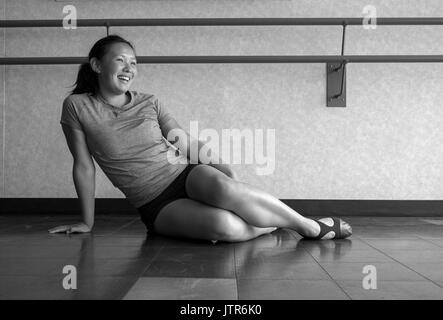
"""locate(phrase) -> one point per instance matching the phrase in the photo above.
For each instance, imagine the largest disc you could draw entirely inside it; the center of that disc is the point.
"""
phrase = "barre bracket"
(336, 79)
(336, 84)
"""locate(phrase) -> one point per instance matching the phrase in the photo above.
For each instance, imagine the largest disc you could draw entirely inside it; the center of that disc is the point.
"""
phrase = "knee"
(223, 190)
(229, 229)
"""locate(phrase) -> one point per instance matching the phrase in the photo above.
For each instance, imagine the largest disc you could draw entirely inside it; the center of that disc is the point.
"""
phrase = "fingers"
(68, 229)
(80, 228)
(58, 229)
(76, 229)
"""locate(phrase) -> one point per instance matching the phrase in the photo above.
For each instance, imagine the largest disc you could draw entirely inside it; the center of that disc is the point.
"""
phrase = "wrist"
(89, 225)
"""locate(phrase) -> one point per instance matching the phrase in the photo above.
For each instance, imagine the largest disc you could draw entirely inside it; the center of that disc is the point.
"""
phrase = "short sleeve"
(163, 114)
(69, 115)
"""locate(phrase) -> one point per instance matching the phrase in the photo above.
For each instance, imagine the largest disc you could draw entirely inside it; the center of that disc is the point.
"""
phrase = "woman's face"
(117, 69)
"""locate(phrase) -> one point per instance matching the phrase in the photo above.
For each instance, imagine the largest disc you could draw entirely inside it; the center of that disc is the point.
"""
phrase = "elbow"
(84, 168)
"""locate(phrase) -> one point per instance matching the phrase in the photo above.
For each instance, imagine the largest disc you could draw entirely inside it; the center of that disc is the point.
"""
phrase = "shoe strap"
(324, 229)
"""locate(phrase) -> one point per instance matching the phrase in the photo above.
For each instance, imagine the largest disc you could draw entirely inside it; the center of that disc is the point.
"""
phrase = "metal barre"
(335, 65)
(236, 59)
(220, 22)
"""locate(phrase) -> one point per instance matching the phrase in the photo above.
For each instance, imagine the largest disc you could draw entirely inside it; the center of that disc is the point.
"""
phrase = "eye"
(119, 59)
(134, 63)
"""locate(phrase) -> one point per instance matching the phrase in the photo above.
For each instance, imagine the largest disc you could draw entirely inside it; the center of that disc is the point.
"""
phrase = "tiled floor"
(119, 261)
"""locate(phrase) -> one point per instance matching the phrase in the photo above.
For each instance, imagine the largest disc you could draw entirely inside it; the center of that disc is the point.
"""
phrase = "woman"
(125, 132)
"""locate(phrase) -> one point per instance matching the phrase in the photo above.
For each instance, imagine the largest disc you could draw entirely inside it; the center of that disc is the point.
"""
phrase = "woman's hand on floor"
(78, 228)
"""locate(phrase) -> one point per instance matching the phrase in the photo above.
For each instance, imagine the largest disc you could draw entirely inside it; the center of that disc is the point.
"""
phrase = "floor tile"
(210, 252)
(114, 241)
(119, 252)
(253, 255)
(51, 288)
(432, 271)
(393, 290)
(101, 288)
(386, 232)
(196, 268)
(367, 256)
(401, 244)
(183, 243)
(115, 244)
(183, 289)
(405, 256)
(109, 267)
(9, 251)
(29, 287)
(431, 234)
(249, 289)
(407, 252)
(31, 266)
(281, 270)
(331, 248)
(436, 241)
(334, 245)
(383, 271)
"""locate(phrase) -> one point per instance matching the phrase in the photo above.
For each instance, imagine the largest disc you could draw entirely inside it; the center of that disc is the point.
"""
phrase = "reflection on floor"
(119, 261)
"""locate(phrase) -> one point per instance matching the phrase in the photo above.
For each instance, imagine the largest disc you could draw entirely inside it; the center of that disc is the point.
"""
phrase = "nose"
(128, 67)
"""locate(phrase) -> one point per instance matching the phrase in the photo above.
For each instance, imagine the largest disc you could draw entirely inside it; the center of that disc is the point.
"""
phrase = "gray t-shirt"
(127, 142)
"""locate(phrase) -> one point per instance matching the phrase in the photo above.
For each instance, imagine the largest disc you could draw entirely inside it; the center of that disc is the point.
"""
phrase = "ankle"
(311, 228)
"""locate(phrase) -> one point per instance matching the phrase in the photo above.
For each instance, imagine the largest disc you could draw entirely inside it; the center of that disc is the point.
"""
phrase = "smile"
(123, 78)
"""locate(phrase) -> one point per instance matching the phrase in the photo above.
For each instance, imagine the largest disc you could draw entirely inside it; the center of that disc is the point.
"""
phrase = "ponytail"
(87, 81)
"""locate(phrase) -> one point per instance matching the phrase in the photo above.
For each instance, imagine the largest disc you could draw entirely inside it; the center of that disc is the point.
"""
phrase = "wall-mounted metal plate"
(333, 85)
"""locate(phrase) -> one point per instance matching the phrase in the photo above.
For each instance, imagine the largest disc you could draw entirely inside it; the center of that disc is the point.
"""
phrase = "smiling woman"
(115, 73)
(110, 71)
(126, 133)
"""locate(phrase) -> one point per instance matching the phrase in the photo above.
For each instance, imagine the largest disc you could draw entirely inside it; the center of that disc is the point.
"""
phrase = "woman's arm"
(216, 161)
(184, 145)
(84, 180)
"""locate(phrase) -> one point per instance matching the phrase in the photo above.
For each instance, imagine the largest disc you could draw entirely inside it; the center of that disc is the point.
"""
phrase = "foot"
(330, 228)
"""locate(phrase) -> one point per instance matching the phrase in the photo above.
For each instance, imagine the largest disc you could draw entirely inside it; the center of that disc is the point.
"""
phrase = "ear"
(95, 65)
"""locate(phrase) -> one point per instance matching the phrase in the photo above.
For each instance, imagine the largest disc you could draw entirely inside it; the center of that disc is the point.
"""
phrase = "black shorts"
(174, 191)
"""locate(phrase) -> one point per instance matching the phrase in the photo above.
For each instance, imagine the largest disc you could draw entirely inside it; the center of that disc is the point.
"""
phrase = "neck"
(114, 100)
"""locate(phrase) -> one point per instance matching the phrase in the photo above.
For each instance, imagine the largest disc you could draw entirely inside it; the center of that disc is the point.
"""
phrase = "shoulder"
(76, 104)
(76, 99)
(143, 97)
(149, 100)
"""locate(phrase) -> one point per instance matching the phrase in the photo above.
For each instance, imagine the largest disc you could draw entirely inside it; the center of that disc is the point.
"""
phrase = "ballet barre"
(335, 64)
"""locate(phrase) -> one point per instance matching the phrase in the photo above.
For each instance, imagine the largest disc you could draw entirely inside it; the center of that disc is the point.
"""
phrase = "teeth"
(124, 78)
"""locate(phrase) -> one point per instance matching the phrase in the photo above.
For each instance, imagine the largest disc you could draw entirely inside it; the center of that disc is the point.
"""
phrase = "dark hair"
(87, 80)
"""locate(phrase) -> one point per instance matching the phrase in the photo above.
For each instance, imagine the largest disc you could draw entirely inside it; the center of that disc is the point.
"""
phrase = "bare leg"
(192, 219)
(209, 185)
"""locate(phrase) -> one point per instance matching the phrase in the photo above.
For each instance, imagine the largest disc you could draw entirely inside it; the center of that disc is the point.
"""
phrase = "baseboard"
(381, 208)
(311, 207)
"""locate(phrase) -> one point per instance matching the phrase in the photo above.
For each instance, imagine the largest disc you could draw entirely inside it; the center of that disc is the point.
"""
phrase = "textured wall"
(384, 145)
